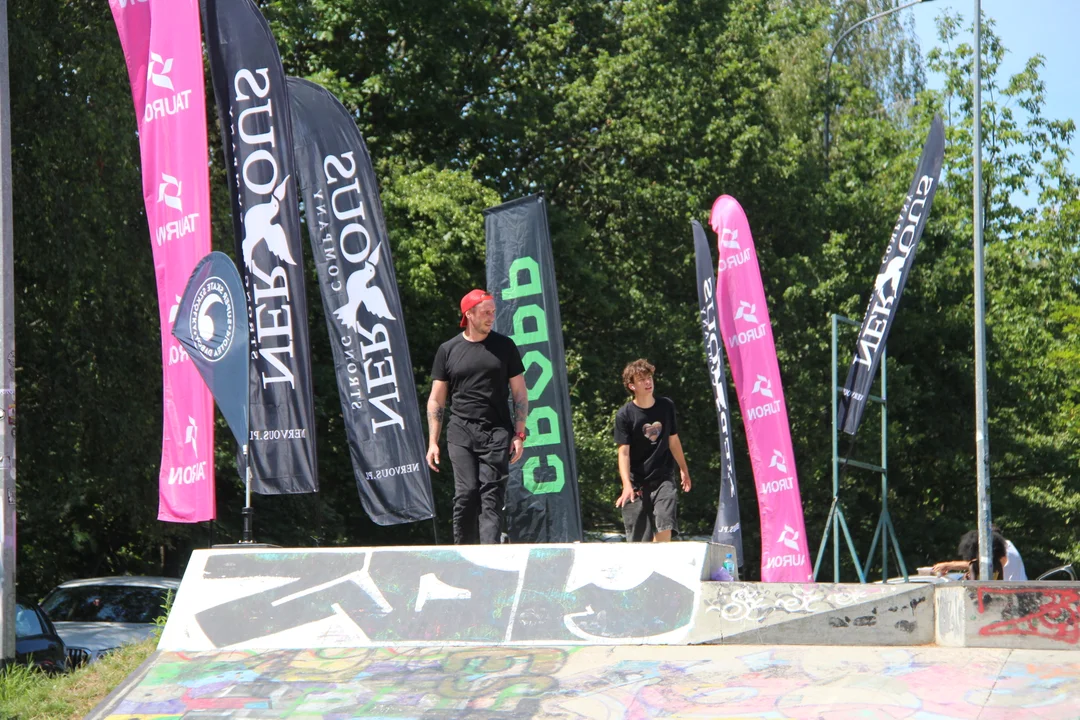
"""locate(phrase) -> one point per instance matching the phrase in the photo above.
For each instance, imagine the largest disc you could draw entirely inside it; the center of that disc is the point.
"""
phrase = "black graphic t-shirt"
(646, 431)
(479, 374)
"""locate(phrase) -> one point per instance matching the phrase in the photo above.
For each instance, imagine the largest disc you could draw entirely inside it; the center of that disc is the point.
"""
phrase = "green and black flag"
(542, 501)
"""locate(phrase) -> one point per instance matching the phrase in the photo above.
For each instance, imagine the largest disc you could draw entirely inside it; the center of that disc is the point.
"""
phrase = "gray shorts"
(654, 511)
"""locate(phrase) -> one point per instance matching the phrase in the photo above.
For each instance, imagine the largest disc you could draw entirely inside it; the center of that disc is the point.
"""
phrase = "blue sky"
(1026, 28)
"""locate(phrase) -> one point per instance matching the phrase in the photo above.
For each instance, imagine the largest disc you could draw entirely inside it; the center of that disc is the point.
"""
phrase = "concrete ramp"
(505, 632)
(493, 595)
(814, 614)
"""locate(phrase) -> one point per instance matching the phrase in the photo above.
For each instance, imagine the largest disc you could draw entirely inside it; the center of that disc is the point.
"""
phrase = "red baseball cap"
(471, 300)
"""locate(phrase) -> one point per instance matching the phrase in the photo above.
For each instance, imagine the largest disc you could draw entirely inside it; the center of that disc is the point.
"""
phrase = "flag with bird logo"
(359, 291)
(256, 129)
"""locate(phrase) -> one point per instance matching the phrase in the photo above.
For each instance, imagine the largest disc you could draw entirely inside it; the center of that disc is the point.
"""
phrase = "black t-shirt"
(479, 374)
(646, 431)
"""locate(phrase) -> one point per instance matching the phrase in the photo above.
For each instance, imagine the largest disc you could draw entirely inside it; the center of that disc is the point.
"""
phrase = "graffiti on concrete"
(424, 683)
(755, 603)
(549, 610)
(434, 595)
(1043, 612)
(796, 614)
(625, 683)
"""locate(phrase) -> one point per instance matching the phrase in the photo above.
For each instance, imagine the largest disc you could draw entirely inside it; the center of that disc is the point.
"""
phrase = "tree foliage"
(631, 116)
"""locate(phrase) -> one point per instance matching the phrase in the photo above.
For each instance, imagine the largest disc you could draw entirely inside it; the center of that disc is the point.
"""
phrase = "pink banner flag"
(748, 337)
(162, 44)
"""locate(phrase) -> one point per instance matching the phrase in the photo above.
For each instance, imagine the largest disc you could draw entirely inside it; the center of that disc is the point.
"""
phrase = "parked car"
(36, 640)
(1064, 573)
(924, 575)
(922, 579)
(97, 615)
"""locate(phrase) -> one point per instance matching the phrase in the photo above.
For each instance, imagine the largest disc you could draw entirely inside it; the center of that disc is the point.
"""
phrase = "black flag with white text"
(351, 247)
(727, 529)
(253, 104)
(891, 279)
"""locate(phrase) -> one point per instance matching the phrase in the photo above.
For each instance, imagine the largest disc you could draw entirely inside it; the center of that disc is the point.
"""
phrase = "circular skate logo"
(211, 323)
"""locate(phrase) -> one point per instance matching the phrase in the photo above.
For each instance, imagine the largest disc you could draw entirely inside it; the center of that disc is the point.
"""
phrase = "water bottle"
(729, 564)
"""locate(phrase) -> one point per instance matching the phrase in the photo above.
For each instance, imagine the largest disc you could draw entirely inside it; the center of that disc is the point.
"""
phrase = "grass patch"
(27, 694)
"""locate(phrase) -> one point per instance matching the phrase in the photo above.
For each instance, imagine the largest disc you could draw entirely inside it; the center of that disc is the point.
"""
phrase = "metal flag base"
(247, 535)
(837, 522)
(885, 532)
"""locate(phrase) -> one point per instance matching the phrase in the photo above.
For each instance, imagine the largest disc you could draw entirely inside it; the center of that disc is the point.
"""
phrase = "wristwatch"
(520, 435)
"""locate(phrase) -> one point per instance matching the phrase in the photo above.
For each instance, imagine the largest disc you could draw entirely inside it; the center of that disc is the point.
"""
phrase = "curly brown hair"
(636, 369)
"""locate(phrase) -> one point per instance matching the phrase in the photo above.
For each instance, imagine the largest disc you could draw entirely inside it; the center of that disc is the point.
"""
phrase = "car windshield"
(105, 603)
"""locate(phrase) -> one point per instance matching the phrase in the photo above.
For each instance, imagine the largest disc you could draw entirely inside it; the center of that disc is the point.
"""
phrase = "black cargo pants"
(480, 457)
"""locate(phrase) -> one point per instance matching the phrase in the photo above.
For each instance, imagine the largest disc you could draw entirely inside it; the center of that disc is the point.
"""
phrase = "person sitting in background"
(1014, 564)
(968, 550)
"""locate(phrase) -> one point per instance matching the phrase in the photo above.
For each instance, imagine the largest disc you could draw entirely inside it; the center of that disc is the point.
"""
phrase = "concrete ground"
(631, 682)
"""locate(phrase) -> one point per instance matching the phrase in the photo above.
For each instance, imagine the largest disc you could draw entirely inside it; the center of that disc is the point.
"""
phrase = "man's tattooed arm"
(520, 395)
(436, 410)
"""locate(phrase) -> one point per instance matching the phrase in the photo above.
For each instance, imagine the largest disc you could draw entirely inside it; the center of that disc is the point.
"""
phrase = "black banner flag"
(348, 237)
(253, 104)
(542, 500)
(891, 279)
(211, 323)
(727, 528)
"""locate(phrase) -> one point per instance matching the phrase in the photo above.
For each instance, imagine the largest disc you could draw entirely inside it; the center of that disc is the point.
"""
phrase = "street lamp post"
(982, 451)
(7, 363)
(832, 54)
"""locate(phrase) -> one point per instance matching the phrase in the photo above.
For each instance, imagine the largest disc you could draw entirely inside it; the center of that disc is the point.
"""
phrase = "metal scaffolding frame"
(836, 522)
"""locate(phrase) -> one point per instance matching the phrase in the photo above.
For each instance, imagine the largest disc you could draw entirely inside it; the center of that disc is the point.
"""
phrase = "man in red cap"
(476, 369)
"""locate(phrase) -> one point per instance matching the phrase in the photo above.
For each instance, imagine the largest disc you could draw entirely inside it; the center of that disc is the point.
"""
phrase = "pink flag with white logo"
(748, 337)
(162, 44)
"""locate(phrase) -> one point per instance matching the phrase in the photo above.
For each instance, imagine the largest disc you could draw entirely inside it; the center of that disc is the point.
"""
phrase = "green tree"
(631, 116)
(1030, 232)
(88, 351)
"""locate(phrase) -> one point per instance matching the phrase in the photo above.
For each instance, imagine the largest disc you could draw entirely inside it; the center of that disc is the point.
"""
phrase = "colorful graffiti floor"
(632, 683)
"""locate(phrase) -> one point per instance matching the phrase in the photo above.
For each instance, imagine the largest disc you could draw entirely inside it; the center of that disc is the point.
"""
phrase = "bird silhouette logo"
(890, 276)
(361, 292)
(260, 224)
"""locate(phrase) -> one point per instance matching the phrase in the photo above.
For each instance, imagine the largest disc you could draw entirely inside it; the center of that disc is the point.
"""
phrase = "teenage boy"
(646, 431)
